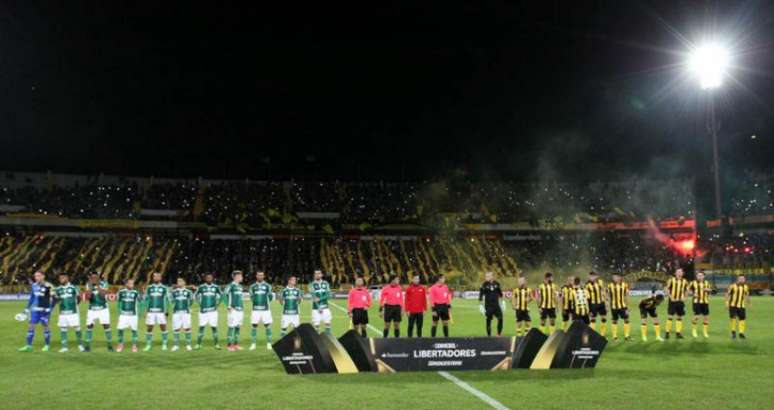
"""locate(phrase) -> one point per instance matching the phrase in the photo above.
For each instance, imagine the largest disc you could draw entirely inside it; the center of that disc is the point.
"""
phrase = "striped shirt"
(595, 292)
(737, 295)
(618, 293)
(701, 291)
(677, 288)
(567, 298)
(520, 298)
(580, 301)
(547, 295)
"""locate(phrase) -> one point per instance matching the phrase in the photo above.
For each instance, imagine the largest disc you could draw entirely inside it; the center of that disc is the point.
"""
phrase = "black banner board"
(359, 349)
(528, 346)
(422, 354)
(303, 351)
(580, 348)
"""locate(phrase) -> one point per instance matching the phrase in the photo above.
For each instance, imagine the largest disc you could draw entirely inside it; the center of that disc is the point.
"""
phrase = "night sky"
(400, 91)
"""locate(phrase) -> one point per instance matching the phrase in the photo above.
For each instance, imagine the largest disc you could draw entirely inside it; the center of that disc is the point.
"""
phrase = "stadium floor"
(686, 374)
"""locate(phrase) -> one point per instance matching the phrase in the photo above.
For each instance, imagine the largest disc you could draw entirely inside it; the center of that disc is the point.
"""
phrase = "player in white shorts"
(67, 298)
(208, 296)
(96, 293)
(261, 296)
(182, 301)
(128, 302)
(157, 300)
(290, 298)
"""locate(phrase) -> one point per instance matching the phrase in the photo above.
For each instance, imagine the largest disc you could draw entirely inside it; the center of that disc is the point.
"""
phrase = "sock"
(593, 326)
(433, 330)
(363, 332)
(148, 338)
(254, 334)
(543, 328)
(679, 326)
(614, 330)
(236, 335)
(78, 335)
(89, 336)
(268, 334)
(499, 327)
(109, 336)
(668, 326)
(47, 335)
(134, 337)
(644, 331)
(63, 337)
(733, 324)
(396, 332)
(657, 330)
(564, 325)
(385, 332)
(705, 329)
(328, 329)
(188, 337)
(489, 327)
(445, 330)
(30, 336)
(200, 335)
(176, 337)
(164, 337)
(627, 330)
(230, 336)
(551, 328)
(215, 335)
(742, 327)
(120, 336)
(603, 328)
(285, 331)
(518, 330)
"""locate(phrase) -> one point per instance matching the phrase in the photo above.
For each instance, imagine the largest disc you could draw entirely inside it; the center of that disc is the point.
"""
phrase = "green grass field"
(686, 374)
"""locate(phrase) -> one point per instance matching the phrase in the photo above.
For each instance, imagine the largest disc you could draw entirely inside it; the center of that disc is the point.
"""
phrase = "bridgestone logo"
(436, 363)
(432, 354)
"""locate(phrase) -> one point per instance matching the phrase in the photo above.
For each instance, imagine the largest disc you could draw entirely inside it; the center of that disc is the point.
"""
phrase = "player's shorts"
(40, 317)
(261, 316)
(208, 319)
(548, 313)
(581, 318)
(701, 309)
(522, 315)
(359, 316)
(645, 312)
(619, 314)
(181, 320)
(494, 312)
(737, 313)
(441, 312)
(102, 316)
(392, 313)
(676, 308)
(70, 320)
(321, 316)
(235, 318)
(567, 314)
(127, 321)
(597, 309)
(155, 318)
(288, 320)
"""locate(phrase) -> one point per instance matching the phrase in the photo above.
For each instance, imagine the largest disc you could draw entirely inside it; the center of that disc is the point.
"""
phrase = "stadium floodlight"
(709, 63)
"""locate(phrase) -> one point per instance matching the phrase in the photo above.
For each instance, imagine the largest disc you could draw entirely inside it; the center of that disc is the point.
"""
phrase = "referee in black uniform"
(489, 296)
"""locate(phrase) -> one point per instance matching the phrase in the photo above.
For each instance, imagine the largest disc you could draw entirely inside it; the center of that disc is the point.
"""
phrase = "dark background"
(410, 90)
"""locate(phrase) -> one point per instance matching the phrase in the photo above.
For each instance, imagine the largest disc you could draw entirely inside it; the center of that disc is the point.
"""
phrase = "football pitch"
(687, 374)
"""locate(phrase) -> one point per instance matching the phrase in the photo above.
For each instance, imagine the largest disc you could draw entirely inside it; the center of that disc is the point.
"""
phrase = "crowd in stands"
(753, 195)
(462, 259)
(256, 203)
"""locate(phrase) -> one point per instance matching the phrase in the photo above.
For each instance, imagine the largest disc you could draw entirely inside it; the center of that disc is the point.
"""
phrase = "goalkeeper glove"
(481, 309)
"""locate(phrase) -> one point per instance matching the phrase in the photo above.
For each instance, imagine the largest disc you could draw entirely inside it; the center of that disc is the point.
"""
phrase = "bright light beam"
(709, 63)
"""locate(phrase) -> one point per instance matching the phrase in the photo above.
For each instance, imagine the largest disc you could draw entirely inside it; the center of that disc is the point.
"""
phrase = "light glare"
(709, 63)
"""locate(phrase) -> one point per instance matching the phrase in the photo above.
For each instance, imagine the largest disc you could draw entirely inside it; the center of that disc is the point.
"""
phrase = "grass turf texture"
(686, 374)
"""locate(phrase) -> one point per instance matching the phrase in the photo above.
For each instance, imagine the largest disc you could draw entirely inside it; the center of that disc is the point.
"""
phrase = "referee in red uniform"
(416, 305)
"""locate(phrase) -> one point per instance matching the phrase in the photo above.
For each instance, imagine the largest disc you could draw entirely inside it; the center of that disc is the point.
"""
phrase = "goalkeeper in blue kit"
(38, 309)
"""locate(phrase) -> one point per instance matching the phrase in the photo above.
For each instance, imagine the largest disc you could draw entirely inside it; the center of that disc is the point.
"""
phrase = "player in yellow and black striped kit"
(520, 302)
(567, 302)
(677, 289)
(737, 300)
(700, 290)
(648, 307)
(618, 290)
(580, 302)
(596, 294)
(547, 295)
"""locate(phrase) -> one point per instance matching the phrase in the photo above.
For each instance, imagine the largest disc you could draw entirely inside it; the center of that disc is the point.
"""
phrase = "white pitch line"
(474, 391)
(448, 376)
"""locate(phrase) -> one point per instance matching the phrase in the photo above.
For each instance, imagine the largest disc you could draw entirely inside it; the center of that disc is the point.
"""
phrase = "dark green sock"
(120, 336)
(254, 334)
(63, 337)
(200, 335)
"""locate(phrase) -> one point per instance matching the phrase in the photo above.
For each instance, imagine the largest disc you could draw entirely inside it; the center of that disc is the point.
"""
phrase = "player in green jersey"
(96, 293)
(290, 298)
(66, 295)
(182, 301)
(261, 295)
(208, 296)
(232, 295)
(128, 301)
(157, 302)
(321, 293)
